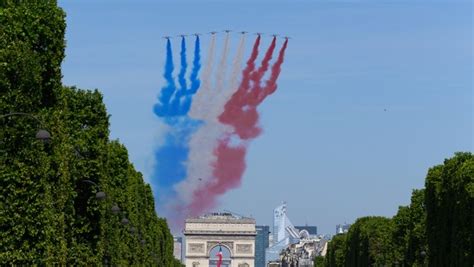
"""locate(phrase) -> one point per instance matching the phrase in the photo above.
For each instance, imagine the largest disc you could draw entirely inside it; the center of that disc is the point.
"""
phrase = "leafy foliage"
(450, 212)
(49, 215)
(335, 255)
(369, 243)
(319, 261)
(436, 229)
(409, 235)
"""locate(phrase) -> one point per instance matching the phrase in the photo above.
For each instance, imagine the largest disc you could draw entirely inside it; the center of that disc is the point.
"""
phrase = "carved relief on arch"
(244, 248)
(196, 248)
(243, 265)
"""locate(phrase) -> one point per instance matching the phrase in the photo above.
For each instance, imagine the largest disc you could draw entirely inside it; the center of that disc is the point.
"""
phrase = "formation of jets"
(226, 31)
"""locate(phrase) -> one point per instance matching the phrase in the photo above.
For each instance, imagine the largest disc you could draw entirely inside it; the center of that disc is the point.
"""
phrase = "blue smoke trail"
(161, 109)
(173, 107)
(184, 65)
(195, 82)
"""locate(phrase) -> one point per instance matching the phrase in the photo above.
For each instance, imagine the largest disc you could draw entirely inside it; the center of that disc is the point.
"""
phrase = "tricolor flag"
(219, 256)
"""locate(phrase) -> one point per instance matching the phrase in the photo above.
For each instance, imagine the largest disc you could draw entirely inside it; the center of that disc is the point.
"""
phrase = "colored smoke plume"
(240, 112)
(172, 107)
(203, 142)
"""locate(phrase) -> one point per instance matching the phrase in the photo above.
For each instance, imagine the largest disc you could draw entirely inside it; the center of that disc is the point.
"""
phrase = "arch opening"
(214, 256)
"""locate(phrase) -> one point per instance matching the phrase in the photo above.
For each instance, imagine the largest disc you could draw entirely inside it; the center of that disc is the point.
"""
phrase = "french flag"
(219, 256)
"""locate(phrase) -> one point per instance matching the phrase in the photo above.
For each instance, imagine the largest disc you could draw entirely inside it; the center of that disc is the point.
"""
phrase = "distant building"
(284, 233)
(178, 248)
(342, 228)
(261, 244)
(303, 253)
(312, 230)
(270, 240)
(293, 245)
(214, 233)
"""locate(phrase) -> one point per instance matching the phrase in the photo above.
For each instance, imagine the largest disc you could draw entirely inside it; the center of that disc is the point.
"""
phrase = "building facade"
(284, 233)
(310, 229)
(342, 228)
(208, 235)
(178, 248)
(261, 244)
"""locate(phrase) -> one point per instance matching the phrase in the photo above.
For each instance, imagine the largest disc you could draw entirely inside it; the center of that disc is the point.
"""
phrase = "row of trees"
(436, 229)
(49, 215)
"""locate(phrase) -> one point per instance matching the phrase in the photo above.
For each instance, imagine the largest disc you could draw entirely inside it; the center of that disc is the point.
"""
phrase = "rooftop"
(220, 217)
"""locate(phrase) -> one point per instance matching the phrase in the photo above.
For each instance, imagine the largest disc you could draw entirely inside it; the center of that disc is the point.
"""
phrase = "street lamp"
(124, 221)
(41, 135)
(100, 195)
(115, 209)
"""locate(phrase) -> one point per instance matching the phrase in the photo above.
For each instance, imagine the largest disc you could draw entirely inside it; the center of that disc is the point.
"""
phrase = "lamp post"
(42, 134)
(124, 221)
(115, 209)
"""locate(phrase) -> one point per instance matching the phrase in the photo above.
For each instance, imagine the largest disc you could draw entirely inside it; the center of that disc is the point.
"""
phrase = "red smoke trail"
(241, 113)
(271, 85)
(257, 75)
(228, 169)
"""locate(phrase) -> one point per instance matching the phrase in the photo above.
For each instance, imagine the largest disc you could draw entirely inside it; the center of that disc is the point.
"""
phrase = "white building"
(208, 234)
(342, 228)
(178, 248)
(284, 233)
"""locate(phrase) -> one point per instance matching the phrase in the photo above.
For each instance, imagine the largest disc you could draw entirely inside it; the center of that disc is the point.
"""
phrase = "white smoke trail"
(201, 97)
(232, 85)
(221, 72)
(201, 153)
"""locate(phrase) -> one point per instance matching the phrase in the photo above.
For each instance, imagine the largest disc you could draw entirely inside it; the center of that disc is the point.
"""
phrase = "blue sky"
(372, 93)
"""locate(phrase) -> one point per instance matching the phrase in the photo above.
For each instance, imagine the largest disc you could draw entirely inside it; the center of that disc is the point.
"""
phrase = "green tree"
(409, 235)
(48, 213)
(335, 255)
(319, 261)
(449, 200)
(31, 50)
(368, 242)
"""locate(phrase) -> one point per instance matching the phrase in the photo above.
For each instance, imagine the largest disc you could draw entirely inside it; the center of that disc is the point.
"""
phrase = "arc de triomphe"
(214, 232)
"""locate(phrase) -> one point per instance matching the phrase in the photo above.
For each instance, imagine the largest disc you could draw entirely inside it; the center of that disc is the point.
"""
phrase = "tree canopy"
(449, 203)
(49, 213)
(436, 229)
